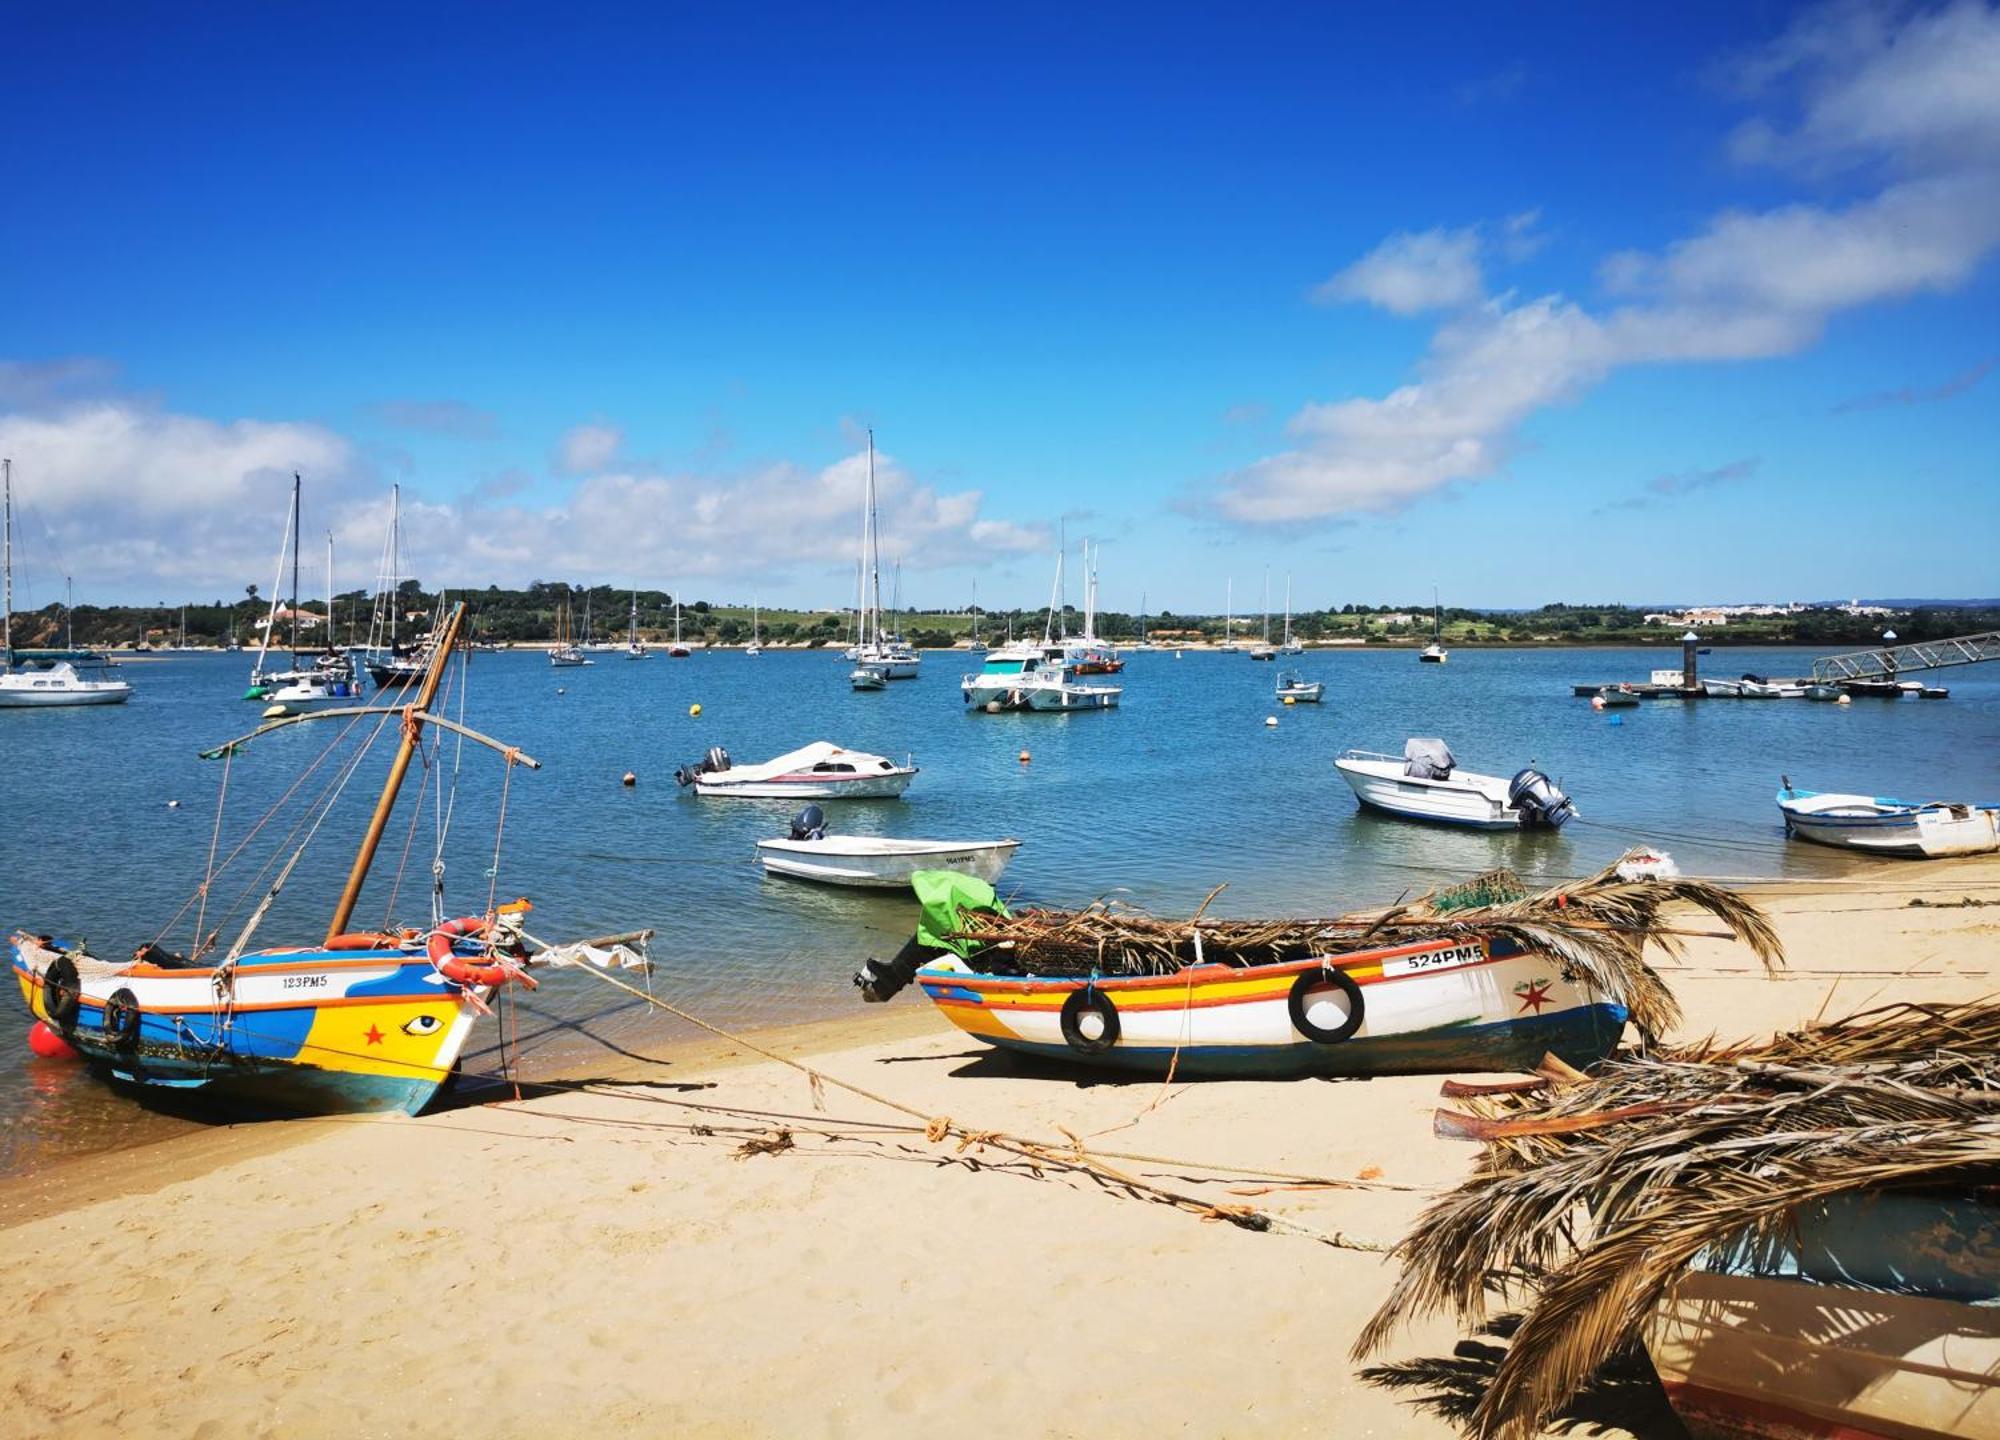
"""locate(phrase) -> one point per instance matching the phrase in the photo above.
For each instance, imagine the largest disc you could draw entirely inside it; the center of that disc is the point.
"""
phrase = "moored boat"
(1296, 688)
(1926, 830)
(47, 685)
(357, 1021)
(1426, 784)
(876, 861)
(1033, 677)
(819, 771)
(868, 677)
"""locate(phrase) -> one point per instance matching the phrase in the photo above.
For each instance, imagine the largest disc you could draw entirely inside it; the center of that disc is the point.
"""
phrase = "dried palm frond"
(1597, 1204)
(1596, 928)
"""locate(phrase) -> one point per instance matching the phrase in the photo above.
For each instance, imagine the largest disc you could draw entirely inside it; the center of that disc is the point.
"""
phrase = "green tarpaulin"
(945, 896)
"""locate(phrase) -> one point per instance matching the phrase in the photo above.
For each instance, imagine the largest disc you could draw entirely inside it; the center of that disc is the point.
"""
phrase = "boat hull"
(887, 869)
(1890, 827)
(1871, 1315)
(309, 1030)
(26, 699)
(1438, 1007)
(1383, 786)
(886, 785)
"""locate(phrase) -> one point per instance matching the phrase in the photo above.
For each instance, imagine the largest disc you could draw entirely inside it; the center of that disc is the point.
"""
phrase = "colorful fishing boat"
(357, 1021)
(1419, 989)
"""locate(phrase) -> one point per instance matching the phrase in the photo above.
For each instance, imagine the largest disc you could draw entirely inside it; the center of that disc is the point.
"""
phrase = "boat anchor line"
(1074, 1155)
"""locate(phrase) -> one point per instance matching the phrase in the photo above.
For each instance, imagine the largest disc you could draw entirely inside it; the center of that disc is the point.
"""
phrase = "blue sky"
(1535, 303)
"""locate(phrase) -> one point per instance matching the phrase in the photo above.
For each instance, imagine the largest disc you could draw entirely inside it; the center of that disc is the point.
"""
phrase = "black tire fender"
(1339, 979)
(121, 1019)
(1091, 999)
(62, 993)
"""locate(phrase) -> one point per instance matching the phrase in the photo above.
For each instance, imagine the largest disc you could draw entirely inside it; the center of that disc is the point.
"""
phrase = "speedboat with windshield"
(819, 771)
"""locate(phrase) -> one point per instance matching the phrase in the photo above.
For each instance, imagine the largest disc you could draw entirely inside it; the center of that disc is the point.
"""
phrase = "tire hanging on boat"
(1340, 980)
(121, 1019)
(62, 993)
(1094, 1001)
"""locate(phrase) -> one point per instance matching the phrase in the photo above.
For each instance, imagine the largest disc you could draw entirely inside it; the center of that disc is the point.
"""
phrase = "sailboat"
(58, 684)
(1264, 649)
(756, 645)
(1027, 676)
(1435, 653)
(977, 645)
(392, 663)
(1085, 654)
(330, 679)
(1229, 619)
(1289, 646)
(877, 649)
(565, 654)
(355, 1021)
(679, 649)
(635, 648)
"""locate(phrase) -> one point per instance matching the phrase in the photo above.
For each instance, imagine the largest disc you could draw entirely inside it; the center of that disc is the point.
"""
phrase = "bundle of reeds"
(1597, 928)
(1593, 1195)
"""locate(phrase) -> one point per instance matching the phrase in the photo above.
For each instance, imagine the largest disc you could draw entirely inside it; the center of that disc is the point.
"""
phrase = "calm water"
(1182, 789)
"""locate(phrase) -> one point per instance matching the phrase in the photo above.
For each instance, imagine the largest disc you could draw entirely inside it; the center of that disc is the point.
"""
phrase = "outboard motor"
(716, 760)
(809, 824)
(878, 980)
(1540, 800)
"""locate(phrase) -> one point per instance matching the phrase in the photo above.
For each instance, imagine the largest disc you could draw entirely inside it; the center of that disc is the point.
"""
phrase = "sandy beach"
(712, 1248)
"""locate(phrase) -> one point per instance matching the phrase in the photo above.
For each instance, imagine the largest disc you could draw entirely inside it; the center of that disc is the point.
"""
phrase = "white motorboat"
(1426, 784)
(876, 861)
(1033, 677)
(1722, 689)
(1299, 690)
(868, 677)
(819, 771)
(1757, 687)
(1890, 827)
(38, 686)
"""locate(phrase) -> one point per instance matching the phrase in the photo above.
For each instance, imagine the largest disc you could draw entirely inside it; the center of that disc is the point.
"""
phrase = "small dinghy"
(1299, 690)
(1615, 697)
(869, 677)
(1426, 784)
(876, 861)
(819, 771)
(1889, 827)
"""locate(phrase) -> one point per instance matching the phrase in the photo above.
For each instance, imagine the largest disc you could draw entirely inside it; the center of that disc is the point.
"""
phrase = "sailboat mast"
(405, 749)
(1288, 607)
(297, 525)
(329, 590)
(7, 607)
(1267, 605)
(874, 524)
(69, 613)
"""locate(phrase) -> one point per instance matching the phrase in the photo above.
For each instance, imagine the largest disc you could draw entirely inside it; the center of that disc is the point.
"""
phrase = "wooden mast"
(412, 733)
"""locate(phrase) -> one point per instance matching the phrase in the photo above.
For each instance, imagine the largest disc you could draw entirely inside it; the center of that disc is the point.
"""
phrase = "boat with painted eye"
(1426, 784)
(1927, 830)
(819, 771)
(354, 1022)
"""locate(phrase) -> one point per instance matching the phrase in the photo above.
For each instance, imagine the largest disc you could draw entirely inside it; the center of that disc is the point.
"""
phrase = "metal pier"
(1893, 661)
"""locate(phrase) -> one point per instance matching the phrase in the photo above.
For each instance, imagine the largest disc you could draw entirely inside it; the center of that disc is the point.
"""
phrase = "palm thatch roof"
(1598, 928)
(1594, 1194)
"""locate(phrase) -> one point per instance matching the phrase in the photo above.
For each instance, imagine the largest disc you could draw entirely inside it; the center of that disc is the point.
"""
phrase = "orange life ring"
(465, 972)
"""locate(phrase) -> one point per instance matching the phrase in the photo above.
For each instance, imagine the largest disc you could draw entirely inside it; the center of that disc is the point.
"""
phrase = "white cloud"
(589, 447)
(143, 505)
(1408, 273)
(1919, 98)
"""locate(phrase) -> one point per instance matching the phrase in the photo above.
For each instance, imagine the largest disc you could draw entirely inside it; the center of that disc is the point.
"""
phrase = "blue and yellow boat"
(353, 1022)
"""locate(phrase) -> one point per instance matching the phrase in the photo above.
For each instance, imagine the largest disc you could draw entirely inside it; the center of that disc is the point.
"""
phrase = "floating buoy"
(1291, 700)
(992, 707)
(45, 1041)
(1617, 719)
(1025, 757)
(1597, 702)
(1270, 721)
(1845, 700)
(630, 779)
(173, 804)
(276, 712)
(561, 690)
(694, 710)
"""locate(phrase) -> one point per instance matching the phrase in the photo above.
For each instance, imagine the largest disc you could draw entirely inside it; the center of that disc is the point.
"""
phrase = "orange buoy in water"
(630, 779)
(1024, 757)
(46, 1042)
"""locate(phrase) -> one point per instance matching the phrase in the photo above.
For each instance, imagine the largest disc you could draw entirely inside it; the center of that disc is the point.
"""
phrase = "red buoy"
(48, 1043)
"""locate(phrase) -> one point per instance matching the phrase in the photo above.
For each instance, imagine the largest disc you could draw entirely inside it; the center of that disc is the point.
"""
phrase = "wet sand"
(651, 1256)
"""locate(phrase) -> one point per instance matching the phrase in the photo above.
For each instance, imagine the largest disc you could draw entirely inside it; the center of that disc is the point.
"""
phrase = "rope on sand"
(1073, 1155)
